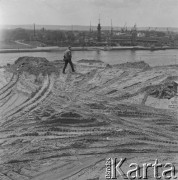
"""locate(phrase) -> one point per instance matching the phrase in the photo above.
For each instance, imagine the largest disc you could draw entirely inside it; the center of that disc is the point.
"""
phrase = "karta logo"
(114, 170)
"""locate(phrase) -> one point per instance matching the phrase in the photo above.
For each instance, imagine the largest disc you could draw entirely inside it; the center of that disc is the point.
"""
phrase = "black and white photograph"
(88, 89)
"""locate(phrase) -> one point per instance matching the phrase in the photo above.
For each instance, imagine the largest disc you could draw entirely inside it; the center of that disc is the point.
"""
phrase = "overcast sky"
(157, 13)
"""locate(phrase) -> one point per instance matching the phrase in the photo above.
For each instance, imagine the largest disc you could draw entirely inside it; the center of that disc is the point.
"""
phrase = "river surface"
(153, 58)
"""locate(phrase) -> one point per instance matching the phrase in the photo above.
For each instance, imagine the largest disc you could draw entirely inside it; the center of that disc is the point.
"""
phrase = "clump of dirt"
(166, 90)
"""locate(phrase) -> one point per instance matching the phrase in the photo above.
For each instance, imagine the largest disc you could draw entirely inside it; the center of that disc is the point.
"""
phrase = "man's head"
(69, 48)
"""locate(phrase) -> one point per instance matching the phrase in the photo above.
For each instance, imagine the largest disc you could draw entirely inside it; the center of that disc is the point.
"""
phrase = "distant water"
(153, 58)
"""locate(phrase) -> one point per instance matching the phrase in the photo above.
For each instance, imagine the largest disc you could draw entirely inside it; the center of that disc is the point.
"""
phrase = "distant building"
(134, 35)
(99, 32)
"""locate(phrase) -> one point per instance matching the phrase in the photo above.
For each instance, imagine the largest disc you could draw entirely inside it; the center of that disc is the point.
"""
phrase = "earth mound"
(35, 65)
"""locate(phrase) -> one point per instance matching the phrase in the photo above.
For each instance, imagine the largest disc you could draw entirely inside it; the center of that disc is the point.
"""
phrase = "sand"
(58, 126)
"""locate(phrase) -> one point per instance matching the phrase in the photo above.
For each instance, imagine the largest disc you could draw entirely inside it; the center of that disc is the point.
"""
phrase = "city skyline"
(154, 13)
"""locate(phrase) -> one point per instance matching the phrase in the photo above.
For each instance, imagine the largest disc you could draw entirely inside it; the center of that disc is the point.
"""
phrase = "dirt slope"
(55, 126)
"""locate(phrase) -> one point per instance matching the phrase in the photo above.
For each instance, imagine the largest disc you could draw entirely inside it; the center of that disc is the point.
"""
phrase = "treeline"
(47, 37)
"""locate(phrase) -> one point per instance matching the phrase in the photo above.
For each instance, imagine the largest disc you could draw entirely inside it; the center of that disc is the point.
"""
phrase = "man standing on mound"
(68, 59)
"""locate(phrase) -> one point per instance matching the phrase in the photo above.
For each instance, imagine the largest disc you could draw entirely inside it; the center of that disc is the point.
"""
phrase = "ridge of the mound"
(139, 64)
(89, 61)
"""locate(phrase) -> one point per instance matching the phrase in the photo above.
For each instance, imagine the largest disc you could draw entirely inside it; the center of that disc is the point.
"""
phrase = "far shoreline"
(87, 48)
